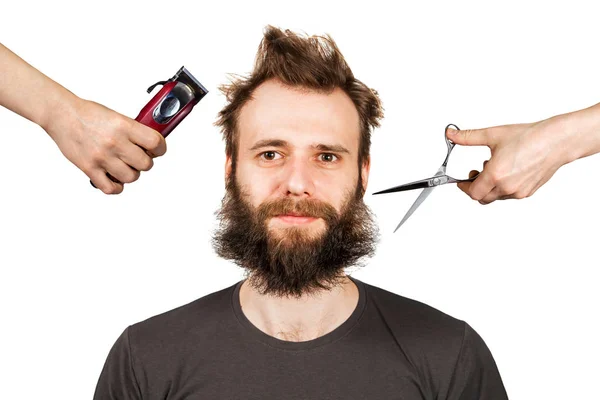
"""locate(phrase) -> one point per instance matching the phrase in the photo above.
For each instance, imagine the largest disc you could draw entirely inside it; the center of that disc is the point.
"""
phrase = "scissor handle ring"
(449, 142)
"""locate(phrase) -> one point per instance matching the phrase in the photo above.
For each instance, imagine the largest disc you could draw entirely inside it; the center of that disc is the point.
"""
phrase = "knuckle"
(496, 178)
(486, 200)
(108, 189)
(511, 189)
(132, 176)
(499, 176)
(467, 134)
(136, 175)
(505, 189)
(87, 167)
(161, 151)
(147, 164)
(154, 141)
(123, 125)
(110, 142)
(521, 194)
(96, 157)
(115, 189)
(475, 196)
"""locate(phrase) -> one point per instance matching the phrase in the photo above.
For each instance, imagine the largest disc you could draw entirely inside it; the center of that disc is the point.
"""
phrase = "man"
(297, 134)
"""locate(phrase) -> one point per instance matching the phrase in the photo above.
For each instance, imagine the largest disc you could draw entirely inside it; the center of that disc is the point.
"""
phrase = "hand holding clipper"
(171, 104)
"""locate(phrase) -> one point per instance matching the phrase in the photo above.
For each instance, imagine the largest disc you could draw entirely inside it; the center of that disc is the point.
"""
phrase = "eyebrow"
(282, 143)
(269, 143)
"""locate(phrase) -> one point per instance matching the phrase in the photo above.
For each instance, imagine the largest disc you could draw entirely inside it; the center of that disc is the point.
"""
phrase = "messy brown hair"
(313, 63)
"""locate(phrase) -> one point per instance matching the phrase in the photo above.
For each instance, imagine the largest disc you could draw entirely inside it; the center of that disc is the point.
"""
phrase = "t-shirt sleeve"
(476, 376)
(117, 380)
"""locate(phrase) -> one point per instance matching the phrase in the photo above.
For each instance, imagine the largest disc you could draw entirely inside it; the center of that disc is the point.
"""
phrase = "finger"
(470, 137)
(136, 158)
(492, 196)
(464, 186)
(483, 168)
(481, 186)
(101, 181)
(149, 139)
(122, 172)
(495, 195)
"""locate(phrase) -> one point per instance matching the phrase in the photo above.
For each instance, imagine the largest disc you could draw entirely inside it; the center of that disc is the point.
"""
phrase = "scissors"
(440, 178)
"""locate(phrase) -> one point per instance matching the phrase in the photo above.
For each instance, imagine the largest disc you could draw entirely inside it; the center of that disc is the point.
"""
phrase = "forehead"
(301, 117)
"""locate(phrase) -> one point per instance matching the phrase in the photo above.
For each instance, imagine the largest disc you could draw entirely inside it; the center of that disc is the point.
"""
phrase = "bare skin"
(298, 166)
(299, 320)
(525, 156)
(94, 138)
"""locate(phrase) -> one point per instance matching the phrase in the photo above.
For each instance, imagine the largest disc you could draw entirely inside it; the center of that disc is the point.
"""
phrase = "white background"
(78, 266)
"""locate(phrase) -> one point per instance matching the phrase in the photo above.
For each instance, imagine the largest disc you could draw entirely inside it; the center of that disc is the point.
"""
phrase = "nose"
(298, 180)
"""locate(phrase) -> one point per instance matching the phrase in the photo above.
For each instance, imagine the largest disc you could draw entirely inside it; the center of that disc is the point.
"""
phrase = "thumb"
(470, 137)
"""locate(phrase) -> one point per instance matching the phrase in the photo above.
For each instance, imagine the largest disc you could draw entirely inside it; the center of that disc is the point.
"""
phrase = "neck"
(299, 319)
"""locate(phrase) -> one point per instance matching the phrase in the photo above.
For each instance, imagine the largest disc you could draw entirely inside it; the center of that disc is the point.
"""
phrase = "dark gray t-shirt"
(391, 347)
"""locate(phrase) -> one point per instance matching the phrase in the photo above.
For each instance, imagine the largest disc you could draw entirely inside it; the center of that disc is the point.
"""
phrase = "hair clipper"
(171, 104)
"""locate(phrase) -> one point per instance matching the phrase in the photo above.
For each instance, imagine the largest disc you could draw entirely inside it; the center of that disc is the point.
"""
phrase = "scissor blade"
(408, 186)
(416, 204)
(426, 192)
(420, 184)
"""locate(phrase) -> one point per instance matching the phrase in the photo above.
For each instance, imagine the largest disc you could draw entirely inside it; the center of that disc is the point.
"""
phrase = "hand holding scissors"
(440, 178)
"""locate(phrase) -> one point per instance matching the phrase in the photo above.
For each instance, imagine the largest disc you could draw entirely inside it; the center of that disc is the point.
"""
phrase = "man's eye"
(269, 155)
(328, 157)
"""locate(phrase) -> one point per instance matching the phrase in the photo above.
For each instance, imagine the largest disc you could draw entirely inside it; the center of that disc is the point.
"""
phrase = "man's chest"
(266, 381)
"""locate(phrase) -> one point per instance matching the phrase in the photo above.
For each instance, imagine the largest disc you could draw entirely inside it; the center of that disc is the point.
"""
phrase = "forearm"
(582, 132)
(29, 93)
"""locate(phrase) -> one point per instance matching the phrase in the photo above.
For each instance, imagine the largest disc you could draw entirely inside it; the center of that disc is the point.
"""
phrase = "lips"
(295, 218)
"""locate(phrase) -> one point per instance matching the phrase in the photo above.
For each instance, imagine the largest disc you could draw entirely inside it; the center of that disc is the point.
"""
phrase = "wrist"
(579, 132)
(59, 112)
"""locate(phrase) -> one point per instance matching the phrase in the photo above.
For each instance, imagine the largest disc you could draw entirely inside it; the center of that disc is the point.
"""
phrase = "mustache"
(308, 207)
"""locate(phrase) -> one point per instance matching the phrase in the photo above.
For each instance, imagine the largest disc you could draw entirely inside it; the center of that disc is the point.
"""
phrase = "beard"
(292, 261)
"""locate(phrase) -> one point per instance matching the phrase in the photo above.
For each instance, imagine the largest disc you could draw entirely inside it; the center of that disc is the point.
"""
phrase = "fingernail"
(452, 131)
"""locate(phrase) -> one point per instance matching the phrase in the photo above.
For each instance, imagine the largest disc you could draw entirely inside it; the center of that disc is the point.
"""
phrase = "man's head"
(297, 134)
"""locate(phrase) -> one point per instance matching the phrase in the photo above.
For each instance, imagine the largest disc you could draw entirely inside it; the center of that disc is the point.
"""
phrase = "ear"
(227, 167)
(364, 171)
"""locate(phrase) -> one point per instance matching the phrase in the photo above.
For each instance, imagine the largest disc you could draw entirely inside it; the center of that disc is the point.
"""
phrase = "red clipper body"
(171, 104)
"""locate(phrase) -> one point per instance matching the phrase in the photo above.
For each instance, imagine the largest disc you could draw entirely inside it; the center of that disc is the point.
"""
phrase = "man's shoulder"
(196, 317)
(413, 319)
(434, 341)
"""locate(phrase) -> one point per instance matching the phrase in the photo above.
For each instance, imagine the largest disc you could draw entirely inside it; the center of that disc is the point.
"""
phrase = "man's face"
(299, 145)
(294, 203)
